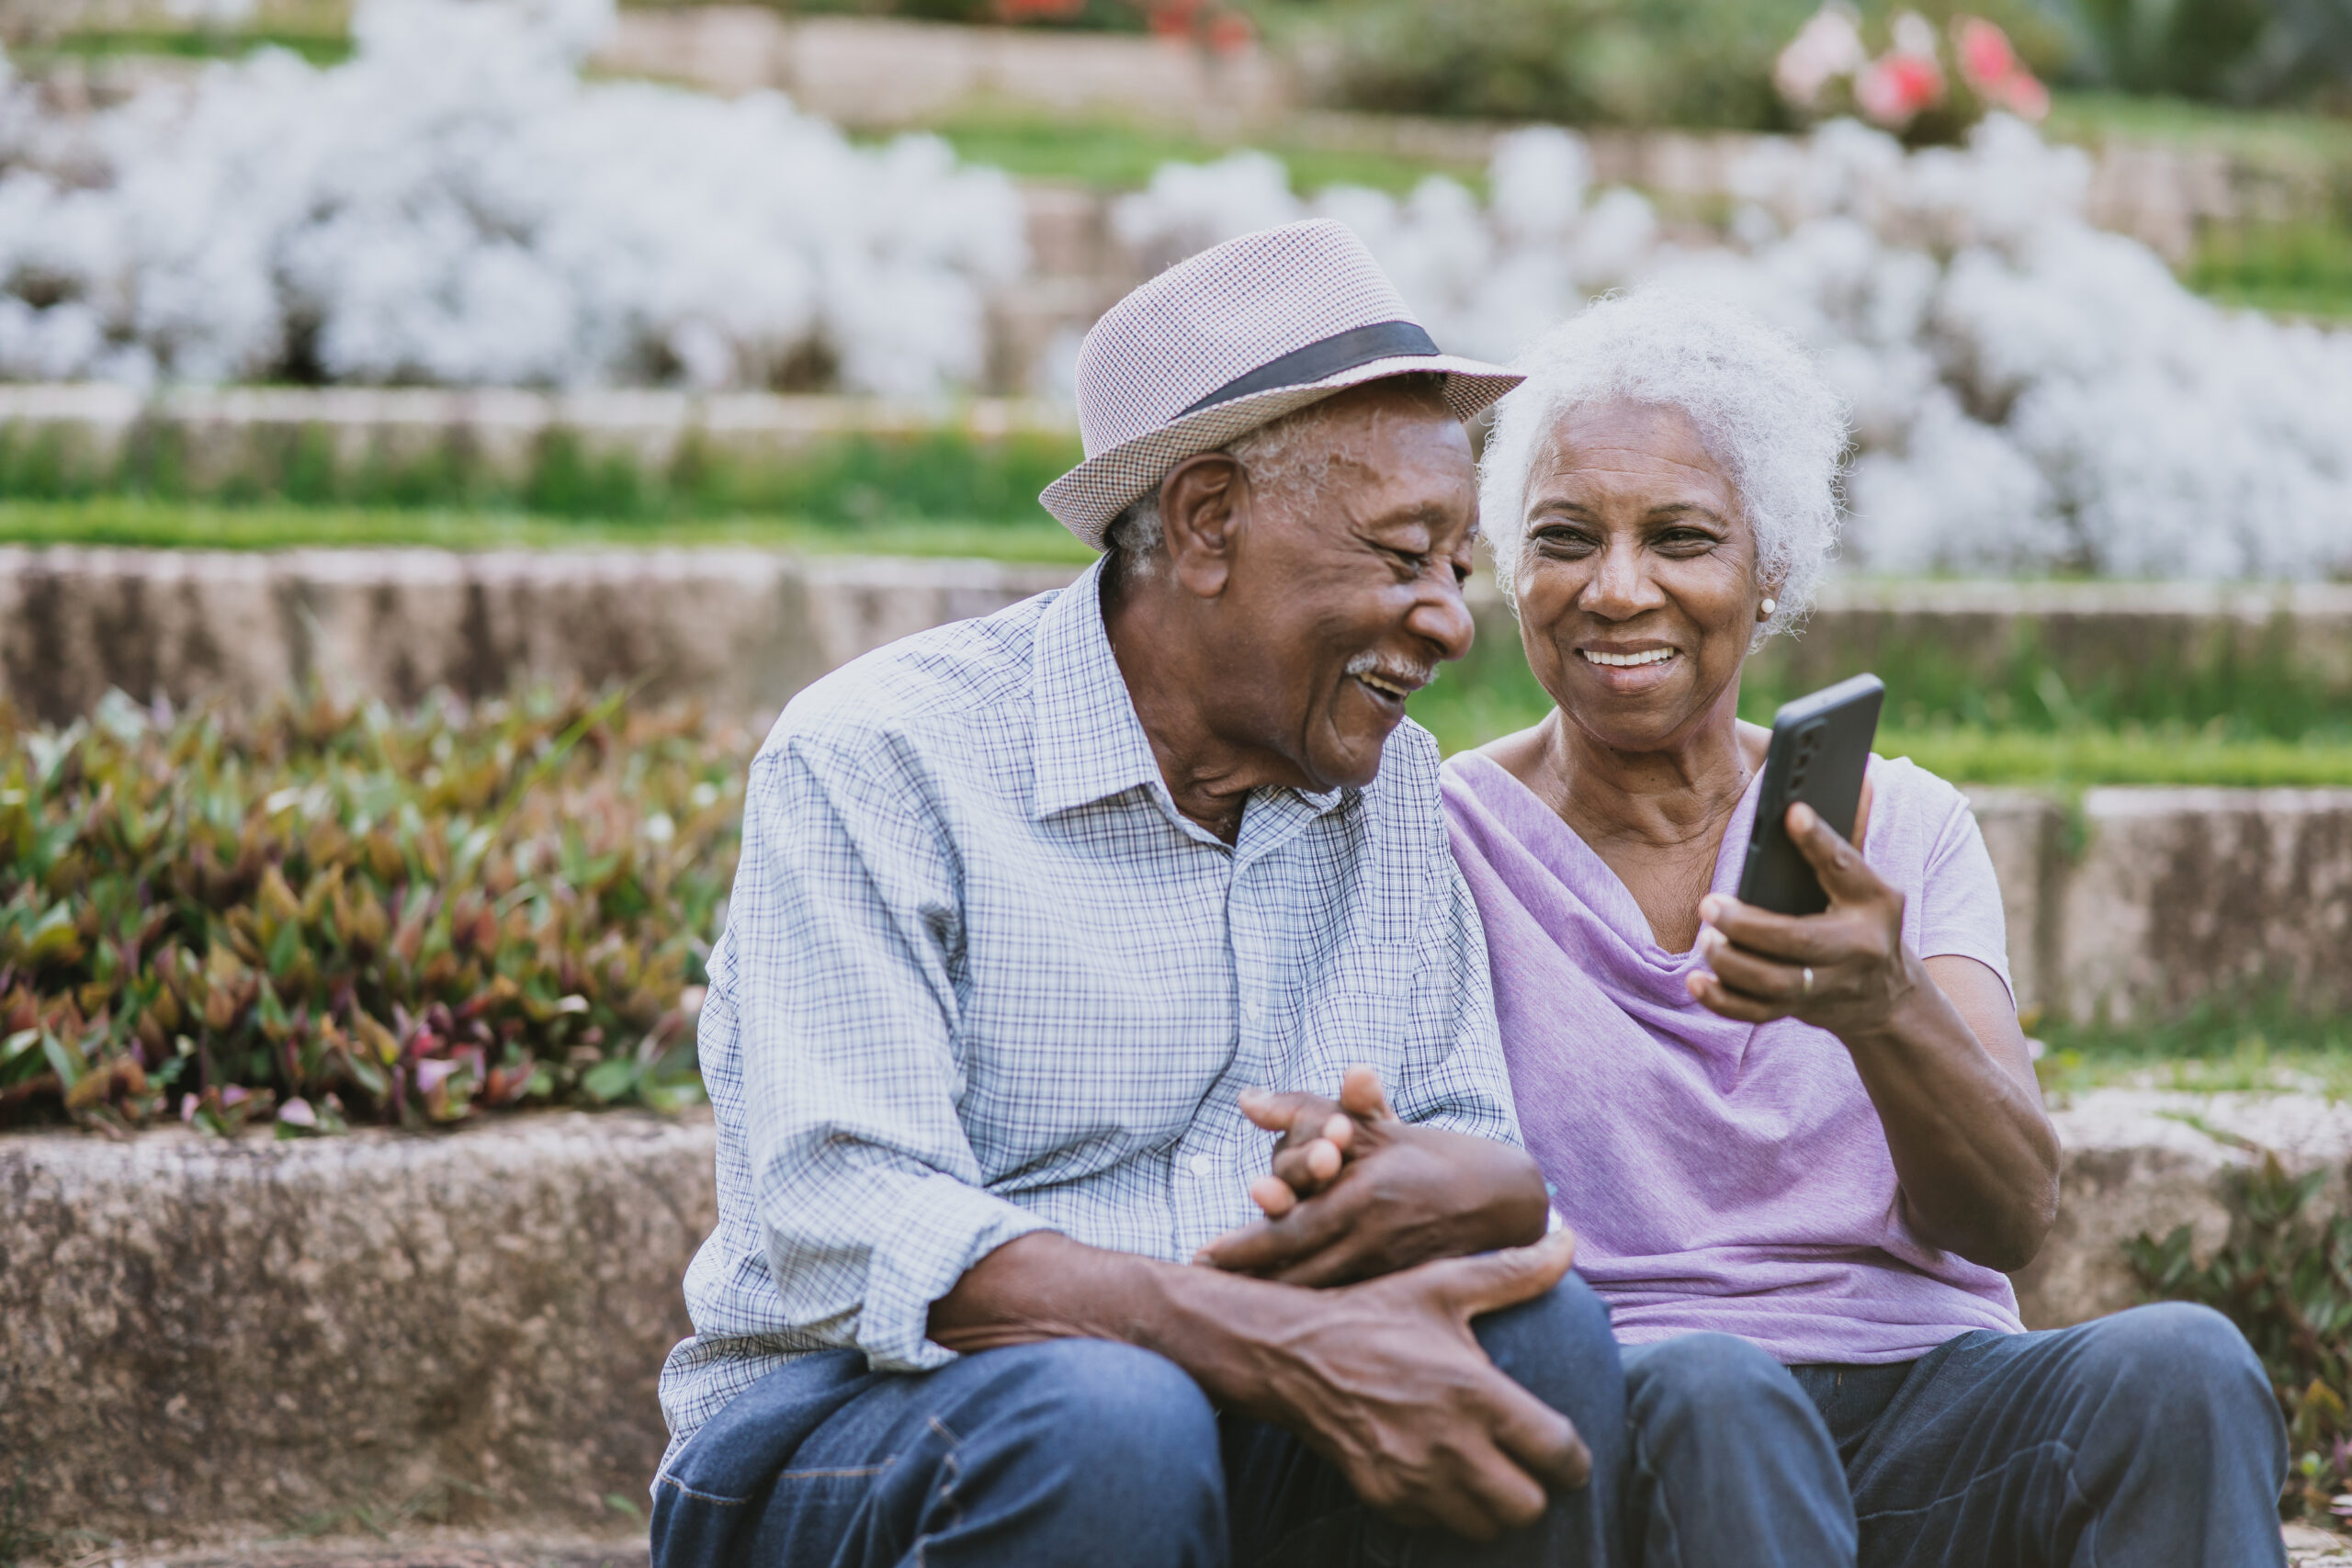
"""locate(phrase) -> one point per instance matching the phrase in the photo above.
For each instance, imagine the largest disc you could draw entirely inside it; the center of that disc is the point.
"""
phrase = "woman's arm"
(1936, 1041)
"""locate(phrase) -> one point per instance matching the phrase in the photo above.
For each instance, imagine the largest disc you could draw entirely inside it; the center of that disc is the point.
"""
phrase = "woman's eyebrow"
(1690, 509)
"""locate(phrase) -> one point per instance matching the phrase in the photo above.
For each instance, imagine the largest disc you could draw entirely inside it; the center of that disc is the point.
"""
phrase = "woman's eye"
(1565, 541)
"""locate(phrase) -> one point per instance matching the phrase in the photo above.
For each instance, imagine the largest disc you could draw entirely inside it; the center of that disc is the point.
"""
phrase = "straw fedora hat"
(1235, 338)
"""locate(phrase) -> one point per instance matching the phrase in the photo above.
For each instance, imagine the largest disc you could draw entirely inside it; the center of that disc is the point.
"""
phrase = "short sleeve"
(1958, 902)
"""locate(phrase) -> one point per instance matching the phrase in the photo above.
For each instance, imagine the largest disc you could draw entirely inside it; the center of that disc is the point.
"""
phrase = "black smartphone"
(1821, 748)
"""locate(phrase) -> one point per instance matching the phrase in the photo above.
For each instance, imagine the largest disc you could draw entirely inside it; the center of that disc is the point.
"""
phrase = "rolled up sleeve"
(846, 927)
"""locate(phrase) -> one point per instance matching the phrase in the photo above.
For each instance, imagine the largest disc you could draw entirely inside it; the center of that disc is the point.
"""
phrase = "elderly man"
(1027, 906)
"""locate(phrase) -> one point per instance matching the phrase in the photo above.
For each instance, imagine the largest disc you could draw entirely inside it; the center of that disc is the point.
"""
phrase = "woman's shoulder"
(1914, 814)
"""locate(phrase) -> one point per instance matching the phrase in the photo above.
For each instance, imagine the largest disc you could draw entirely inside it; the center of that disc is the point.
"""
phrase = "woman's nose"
(1620, 587)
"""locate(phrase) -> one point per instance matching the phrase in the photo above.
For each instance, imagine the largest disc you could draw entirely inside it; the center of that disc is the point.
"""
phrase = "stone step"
(227, 1341)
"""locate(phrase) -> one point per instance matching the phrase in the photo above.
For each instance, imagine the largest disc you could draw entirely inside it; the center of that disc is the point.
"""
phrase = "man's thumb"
(1492, 1281)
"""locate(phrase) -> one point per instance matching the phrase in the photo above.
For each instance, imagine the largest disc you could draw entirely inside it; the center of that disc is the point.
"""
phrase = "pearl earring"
(1766, 608)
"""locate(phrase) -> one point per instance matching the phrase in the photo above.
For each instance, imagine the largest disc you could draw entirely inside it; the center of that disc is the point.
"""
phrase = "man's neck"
(1163, 650)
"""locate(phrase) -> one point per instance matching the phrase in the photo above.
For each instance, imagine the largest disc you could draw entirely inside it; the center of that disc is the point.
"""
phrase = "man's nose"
(1442, 616)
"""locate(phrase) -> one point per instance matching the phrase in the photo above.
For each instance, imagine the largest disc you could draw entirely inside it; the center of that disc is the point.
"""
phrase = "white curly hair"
(1757, 399)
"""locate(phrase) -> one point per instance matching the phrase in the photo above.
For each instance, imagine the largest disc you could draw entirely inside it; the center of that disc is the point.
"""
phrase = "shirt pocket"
(1361, 1011)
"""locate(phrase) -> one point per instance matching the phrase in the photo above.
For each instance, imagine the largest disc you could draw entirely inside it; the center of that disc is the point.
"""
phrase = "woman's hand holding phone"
(1844, 970)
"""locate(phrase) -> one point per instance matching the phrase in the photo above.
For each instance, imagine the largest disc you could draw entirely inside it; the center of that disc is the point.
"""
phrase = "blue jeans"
(1081, 1451)
(2148, 1440)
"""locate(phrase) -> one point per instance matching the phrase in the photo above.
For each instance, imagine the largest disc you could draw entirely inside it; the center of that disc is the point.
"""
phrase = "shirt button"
(1203, 1164)
(1251, 1010)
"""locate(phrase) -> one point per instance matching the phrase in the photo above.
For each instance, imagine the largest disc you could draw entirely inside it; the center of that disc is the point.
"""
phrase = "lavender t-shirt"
(1720, 1176)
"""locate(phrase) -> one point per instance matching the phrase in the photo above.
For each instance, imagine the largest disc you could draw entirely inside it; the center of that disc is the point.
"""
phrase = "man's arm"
(1384, 1379)
(1356, 1189)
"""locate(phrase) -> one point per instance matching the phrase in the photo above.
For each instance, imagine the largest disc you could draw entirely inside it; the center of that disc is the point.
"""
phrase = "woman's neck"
(1657, 817)
(1662, 799)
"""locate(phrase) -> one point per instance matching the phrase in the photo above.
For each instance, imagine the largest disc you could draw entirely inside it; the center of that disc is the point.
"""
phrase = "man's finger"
(1276, 1109)
(1310, 1167)
(1274, 1195)
(1490, 1280)
(1362, 1095)
(1507, 1496)
(1542, 1439)
(1838, 865)
(1271, 1244)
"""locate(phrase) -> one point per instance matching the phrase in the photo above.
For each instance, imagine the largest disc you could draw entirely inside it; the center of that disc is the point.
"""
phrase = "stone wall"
(269, 1337)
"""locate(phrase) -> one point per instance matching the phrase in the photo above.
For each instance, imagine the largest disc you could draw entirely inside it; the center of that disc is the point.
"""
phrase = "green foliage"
(2233, 50)
(330, 915)
(1695, 62)
(2286, 1280)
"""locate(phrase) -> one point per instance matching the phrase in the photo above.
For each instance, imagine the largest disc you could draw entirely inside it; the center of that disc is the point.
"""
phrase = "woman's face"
(1636, 581)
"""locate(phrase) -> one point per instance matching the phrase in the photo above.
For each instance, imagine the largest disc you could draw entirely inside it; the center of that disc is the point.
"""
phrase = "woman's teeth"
(1623, 660)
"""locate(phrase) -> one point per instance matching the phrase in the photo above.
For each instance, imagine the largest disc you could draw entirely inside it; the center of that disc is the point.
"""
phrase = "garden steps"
(2130, 902)
(215, 1342)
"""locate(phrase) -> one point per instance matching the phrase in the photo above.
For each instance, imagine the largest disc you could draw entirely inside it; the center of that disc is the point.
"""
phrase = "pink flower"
(1893, 88)
(296, 1112)
(431, 1074)
(2024, 96)
(1985, 58)
(1991, 66)
(1828, 47)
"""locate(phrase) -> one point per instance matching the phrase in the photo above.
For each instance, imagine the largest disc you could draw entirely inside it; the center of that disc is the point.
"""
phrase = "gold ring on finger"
(1808, 980)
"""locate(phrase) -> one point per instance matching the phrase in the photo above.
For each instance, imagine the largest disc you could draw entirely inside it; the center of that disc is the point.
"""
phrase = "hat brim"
(1087, 498)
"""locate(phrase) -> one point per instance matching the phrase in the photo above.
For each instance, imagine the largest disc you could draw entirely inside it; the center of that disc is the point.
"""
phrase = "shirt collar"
(1090, 743)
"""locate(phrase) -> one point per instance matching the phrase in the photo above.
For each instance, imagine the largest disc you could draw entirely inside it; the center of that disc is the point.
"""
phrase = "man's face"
(1346, 588)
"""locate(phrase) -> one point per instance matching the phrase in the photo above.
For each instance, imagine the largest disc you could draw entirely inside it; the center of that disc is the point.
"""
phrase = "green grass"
(2256, 1042)
(856, 480)
(1463, 713)
(2274, 137)
(320, 48)
(2293, 269)
(162, 525)
(1114, 154)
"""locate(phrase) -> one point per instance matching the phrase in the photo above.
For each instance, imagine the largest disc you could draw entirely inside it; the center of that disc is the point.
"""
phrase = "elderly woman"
(1798, 1153)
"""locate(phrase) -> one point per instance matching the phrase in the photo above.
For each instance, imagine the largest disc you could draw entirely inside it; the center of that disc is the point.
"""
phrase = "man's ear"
(1203, 507)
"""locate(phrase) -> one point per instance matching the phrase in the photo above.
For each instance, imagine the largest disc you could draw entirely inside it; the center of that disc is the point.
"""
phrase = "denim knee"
(2203, 1364)
(1719, 1381)
(2197, 1350)
(1098, 1404)
(1558, 1348)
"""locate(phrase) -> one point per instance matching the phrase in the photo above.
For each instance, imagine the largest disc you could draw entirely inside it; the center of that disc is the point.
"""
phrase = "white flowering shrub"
(2028, 392)
(453, 205)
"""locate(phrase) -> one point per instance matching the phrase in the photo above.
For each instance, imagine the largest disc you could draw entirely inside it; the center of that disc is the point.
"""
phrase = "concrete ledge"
(2142, 1161)
(207, 1339)
(209, 1342)
(739, 630)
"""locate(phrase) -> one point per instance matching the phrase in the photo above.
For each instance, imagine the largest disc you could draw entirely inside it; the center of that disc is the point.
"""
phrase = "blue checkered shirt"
(981, 977)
